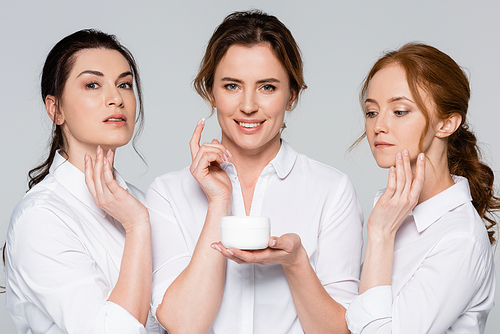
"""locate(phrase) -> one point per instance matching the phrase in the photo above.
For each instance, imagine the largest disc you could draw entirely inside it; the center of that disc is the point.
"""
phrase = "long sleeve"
(54, 284)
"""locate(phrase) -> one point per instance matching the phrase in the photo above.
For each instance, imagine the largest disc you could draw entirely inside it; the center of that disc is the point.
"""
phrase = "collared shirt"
(63, 257)
(300, 196)
(443, 278)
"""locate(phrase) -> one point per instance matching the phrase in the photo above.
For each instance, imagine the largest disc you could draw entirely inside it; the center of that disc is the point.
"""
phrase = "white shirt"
(300, 196)
(63, 257)
(443, 278)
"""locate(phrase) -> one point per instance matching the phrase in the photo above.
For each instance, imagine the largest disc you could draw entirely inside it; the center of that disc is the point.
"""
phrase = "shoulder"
(173, 180)
(319, 172)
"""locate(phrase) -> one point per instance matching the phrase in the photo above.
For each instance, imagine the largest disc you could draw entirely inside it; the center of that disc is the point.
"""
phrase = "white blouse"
(299, 195)
(63, 256)
(443, 278)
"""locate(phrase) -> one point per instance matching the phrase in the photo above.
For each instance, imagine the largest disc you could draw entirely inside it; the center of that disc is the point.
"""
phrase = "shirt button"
(269, 169)
(152, 319)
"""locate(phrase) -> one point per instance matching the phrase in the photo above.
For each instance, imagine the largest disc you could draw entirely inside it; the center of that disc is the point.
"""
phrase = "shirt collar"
(282, 163)
(73, 180)
(428, 212)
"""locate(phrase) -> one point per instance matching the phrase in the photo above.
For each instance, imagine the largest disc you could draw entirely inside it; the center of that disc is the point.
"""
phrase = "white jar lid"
(245, 222)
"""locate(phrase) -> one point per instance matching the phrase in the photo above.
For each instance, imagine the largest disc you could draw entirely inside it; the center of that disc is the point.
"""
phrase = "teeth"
(249, 125)
(114, 119)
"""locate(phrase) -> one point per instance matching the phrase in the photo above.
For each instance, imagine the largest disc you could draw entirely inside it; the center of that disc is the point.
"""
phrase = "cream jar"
(245, 232)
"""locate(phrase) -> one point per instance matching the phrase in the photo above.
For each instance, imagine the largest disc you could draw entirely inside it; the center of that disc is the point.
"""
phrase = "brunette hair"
(250, 28)
(437, 74)
(56, 69)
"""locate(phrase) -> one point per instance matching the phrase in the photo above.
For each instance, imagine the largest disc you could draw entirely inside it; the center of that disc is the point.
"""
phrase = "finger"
(418, 182)
(400, 174)
(408, 171)
(110, 184)
(194, 143)
(218, 246)
(89, 174)
(98, 173)
(391, 184)
(286, 242)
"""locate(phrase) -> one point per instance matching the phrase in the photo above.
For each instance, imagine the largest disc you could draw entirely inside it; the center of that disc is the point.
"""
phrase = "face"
(251, 93)
(98, 103)
(393, 122)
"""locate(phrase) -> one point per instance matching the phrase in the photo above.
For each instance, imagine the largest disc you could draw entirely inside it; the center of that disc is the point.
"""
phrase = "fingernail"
(109, 153)
(274, 242)
(201, 121)
(86, 158)
(421, 156)
(225, 157)
(392, 169)
(217, 248)
(405, 152)
(229, 153)
(229, 252)
(98, 150)
(400, 156)
(105, 161)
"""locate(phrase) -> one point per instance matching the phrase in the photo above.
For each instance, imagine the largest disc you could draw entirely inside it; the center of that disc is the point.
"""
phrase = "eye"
(125, 85)
(231, 86)
(92, 85)
(401, 112)
(370, 114)
(268, 88)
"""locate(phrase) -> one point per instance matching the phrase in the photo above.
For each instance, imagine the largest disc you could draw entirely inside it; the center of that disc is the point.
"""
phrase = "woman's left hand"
(285, 250)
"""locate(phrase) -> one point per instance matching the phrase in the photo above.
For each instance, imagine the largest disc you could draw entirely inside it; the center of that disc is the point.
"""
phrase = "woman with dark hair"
(78, 249)
(252, 75)
(428, 264)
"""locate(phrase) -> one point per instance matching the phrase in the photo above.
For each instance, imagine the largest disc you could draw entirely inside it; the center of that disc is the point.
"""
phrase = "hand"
(205, 167)
(109, 196)
(286, 250)
(400, 196)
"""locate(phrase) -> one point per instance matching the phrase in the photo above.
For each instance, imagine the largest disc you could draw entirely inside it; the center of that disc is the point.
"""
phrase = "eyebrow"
(100, 74)
(393, 99)
(258, 82)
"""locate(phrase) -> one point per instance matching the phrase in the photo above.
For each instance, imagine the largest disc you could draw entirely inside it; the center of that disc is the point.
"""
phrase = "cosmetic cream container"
(245, 232)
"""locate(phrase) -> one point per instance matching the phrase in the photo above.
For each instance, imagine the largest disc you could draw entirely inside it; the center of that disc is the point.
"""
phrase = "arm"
(320, 293)
(192, 301)
(133, 288)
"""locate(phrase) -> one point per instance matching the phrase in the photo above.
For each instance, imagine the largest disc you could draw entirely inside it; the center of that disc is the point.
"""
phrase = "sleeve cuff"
(373, 304)
(118, 320)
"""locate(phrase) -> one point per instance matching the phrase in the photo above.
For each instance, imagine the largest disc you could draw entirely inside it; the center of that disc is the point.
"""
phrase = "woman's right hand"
(109, 196)
(206, 168)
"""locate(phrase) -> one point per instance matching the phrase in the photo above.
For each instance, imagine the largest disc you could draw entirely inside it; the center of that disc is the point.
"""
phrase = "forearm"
(133, 288)
(377, 265)
(192, 301)
(318, 312)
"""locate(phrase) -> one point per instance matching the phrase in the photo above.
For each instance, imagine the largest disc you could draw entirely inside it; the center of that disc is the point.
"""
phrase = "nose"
(114, 97)
(249, 103)
(381, 123)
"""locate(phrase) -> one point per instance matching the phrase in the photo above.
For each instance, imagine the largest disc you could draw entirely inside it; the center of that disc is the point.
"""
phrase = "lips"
(115, 118)
(382, 144)
(249, 124)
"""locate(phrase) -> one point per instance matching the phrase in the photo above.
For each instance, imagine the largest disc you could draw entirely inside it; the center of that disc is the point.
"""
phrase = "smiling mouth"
(249, 125)
(115, 120)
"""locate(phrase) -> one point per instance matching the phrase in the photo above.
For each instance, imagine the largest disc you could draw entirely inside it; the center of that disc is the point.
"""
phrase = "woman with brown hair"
(428, 264)
(252, 75)
(78, 250)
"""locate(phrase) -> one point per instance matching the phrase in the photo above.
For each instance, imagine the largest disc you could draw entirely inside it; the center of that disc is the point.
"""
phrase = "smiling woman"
(303, 281)
(78, 249)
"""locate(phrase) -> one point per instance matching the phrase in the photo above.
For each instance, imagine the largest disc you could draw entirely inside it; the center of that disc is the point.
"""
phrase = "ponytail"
(38, 173)
(464, 159)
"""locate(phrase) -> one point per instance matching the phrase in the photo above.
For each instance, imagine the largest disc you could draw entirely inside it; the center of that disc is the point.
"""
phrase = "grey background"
(340, 40)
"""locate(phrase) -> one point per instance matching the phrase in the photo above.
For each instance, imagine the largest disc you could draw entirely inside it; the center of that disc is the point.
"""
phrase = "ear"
(53, 111)
(289, 104)
(449, 126)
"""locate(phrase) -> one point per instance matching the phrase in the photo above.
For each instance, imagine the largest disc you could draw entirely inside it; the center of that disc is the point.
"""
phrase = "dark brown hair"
(437, 74)
(56, 69)
(250, 28)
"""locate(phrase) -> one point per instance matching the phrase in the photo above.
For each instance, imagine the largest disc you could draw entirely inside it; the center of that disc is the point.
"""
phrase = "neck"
(76, 156)
(437, 176)
(251, 162)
